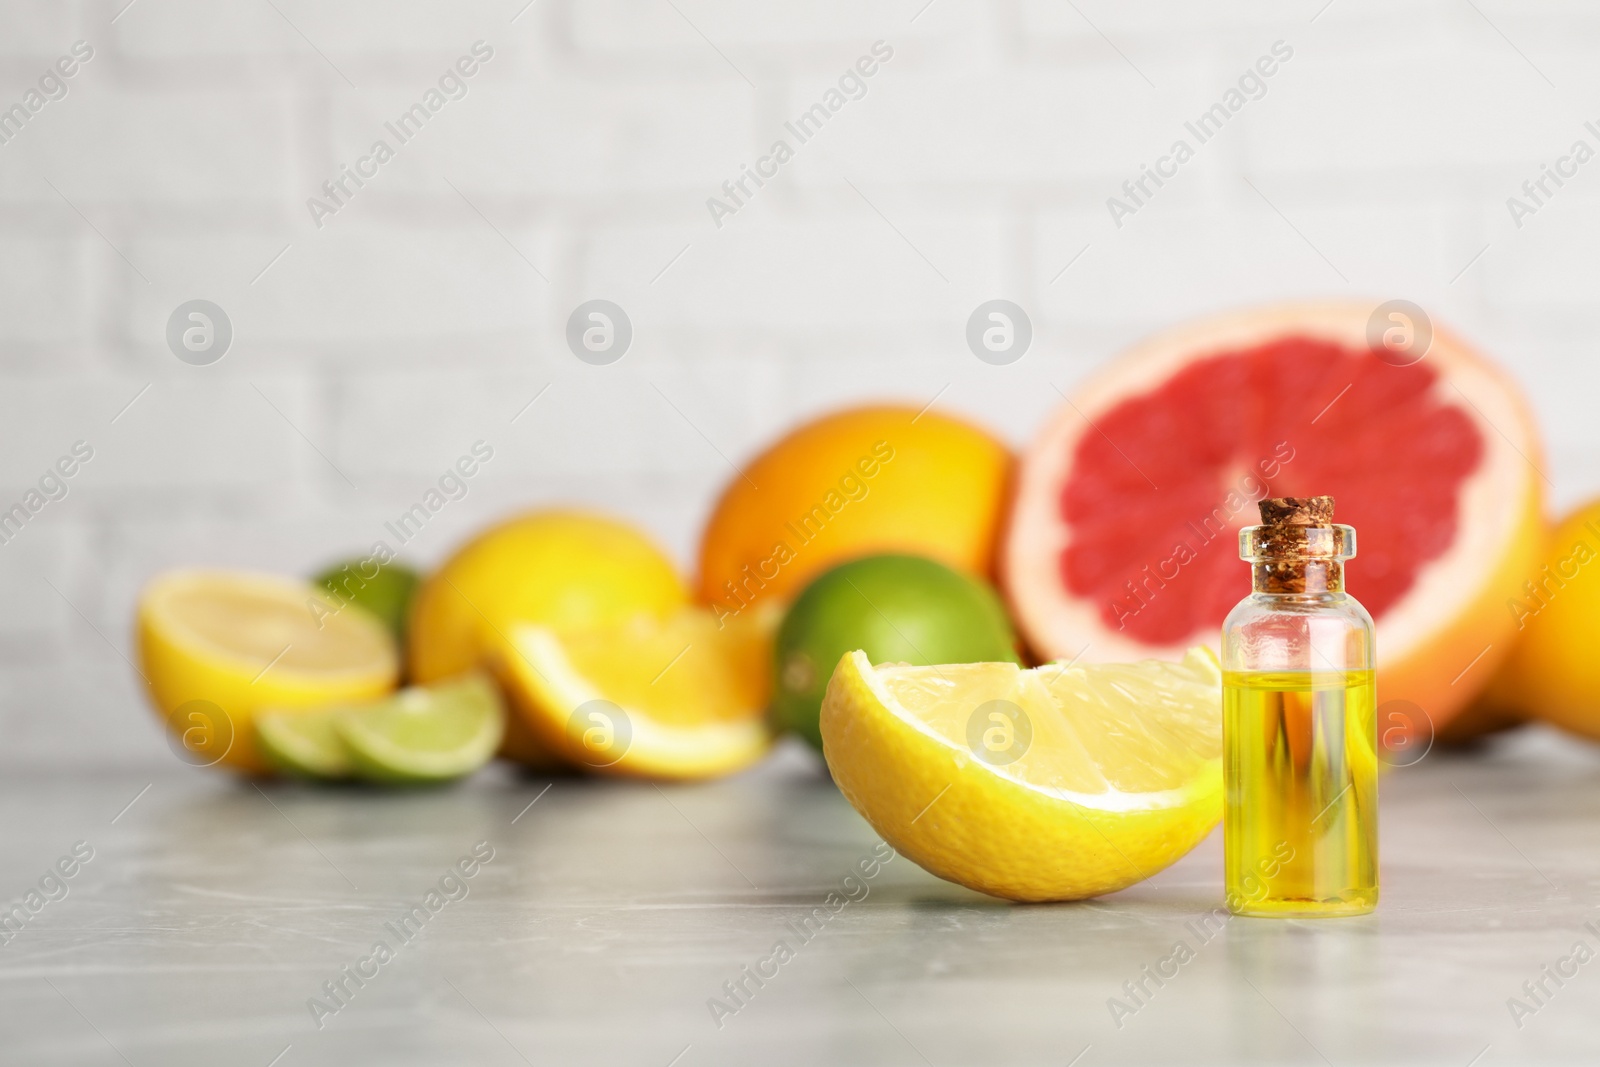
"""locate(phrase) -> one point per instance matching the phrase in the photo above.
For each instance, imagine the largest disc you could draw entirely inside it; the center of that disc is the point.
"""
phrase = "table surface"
(611, 914)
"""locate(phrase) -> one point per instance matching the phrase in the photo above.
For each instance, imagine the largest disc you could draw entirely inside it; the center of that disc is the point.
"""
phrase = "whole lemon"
(1552, 672)
(865, 480)
(898, 609)
(565, 569)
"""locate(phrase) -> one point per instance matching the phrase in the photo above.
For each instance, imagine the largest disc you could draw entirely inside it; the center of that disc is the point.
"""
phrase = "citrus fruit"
(1056, 783)
(385, 589)
(564, 569)
(873, 479)
(1476, 722)
(1123, 539)
(217, 646)
(423, 735)
(1552, 672)
(897, 609)
(674, 698)
(560, 568)
(303, 743)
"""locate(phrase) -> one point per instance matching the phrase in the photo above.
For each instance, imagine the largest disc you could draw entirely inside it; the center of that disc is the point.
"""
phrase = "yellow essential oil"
(1299, 723)
(1301, 823)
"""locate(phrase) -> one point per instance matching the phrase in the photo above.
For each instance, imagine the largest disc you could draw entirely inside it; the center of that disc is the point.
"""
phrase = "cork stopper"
(1297, 510)
(1298, 548)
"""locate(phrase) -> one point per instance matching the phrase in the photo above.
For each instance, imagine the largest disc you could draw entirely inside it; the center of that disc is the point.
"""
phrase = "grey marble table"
(213, 918)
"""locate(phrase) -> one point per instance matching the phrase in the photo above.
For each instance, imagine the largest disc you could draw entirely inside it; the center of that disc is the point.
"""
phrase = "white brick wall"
(409, 326)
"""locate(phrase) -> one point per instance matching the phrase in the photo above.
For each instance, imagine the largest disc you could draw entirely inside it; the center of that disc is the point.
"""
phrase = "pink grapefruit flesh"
(1123, 539)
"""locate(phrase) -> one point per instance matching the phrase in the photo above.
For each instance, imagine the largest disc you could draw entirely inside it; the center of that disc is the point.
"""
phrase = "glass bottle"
(1300, 822)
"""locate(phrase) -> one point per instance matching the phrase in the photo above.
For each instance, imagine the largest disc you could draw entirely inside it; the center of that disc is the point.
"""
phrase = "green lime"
(424, 734)
(303, 743)
(895, 608)
(384, 589)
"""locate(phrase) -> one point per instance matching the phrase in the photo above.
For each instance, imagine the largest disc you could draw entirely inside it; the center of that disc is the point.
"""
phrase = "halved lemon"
(217, 646)
(673, 698)
(1056, 783)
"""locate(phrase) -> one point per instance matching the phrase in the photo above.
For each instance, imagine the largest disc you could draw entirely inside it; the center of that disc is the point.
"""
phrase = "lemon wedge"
(1056, 783)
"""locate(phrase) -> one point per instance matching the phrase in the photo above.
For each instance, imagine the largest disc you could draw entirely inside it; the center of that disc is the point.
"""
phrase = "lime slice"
(303, 743)
(424, 735)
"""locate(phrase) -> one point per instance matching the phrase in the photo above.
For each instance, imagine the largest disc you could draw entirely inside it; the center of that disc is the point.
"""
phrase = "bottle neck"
(1297, 576)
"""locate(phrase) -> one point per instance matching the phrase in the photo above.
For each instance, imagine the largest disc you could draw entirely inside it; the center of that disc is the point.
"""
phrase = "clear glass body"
(1300, 823)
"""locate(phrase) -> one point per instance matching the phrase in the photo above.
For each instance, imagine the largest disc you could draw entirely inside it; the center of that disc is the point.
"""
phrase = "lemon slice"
(674, 698)
(217, 646)
(423, 735)
(1056, 783)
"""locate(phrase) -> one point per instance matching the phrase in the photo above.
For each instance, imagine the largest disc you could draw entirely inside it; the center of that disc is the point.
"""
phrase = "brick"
(412, 426)
(1545, 264)
(51, 549)
(833, 266)
(760, 36)
(636, 420)
(546, 134)
(108, 143)
(43, 417)
(1469, 102)
(1126, 24)
(372, 27)
(1184, 263)
(43, 290)
(1019, 126)
(367, 285)
(200, 433)
(187, 30)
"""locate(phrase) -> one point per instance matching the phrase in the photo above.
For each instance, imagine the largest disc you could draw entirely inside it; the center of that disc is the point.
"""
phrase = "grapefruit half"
(1122, 542)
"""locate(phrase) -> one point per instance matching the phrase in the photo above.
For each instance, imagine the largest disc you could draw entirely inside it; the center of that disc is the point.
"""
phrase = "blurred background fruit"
(422, 735)
(1123, 538)
(682, 697)
(218, 646)
(1057, 783)
(860, 481)
(386, 593)
(898, 609)
(563, 569)
(1553, 670)
(1479, 720)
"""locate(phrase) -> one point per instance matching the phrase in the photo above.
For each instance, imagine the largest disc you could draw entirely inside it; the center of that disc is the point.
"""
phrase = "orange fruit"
(854, 483)
(1123, 539)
